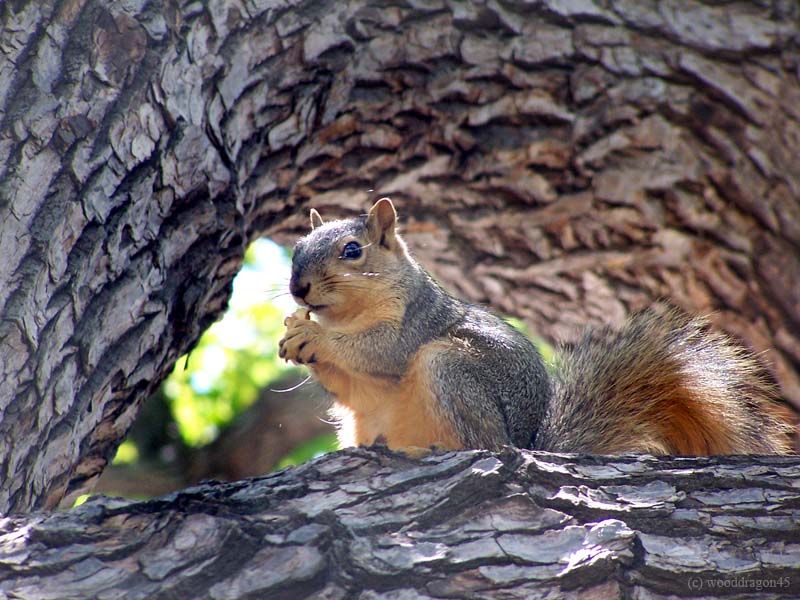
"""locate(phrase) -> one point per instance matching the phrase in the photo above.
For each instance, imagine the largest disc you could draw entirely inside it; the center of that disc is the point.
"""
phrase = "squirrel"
(411, 366)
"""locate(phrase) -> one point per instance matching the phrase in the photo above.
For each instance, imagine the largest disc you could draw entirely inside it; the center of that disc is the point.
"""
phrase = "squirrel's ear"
(381, 222)
(316, 219)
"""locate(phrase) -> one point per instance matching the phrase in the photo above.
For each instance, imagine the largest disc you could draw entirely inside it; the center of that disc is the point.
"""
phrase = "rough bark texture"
(370, 524)
(565, 161)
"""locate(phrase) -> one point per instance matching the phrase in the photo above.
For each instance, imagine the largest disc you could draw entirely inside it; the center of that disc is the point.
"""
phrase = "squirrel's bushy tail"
(664, 384)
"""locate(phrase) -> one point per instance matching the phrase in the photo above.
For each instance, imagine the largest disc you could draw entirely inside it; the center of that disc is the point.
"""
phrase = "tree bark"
(372, 524)
(566, 162)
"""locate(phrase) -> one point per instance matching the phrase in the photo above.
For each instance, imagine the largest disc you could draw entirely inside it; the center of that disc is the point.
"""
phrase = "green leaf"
(315, 447)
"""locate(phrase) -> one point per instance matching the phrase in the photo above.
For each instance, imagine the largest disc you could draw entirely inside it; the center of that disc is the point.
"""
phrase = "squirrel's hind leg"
(462, 400)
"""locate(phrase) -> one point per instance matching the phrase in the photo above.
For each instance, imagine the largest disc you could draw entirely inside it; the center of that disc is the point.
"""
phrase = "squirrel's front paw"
(301, 342)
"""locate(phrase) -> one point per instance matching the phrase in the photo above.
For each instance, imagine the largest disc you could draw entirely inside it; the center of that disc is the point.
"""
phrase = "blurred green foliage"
(220, 380)
(236, 356)
(315, 447)
(127, 453)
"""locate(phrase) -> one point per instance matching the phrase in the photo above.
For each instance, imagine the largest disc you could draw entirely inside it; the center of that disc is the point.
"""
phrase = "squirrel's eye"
(351, 250)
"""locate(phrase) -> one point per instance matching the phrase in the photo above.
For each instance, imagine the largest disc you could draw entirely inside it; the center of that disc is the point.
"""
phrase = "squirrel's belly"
(398, 414)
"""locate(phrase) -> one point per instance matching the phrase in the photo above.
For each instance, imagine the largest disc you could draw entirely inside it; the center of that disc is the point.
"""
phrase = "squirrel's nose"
(299, 291)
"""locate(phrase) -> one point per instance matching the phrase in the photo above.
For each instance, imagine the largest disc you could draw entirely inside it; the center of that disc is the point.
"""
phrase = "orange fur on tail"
(664, 384)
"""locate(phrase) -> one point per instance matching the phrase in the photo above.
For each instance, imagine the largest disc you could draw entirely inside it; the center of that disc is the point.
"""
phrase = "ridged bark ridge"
(370, 524)
(566, 162)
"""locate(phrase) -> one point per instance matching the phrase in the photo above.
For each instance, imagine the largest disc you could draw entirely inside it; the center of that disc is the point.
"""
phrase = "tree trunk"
(562, 161)
(372, 524)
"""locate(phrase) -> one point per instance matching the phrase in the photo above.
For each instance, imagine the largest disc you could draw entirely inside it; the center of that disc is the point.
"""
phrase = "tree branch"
(517, 524)
(562, 161)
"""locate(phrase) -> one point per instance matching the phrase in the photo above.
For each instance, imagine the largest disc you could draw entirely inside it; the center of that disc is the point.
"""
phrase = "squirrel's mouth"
(314, 307)
(306, 304)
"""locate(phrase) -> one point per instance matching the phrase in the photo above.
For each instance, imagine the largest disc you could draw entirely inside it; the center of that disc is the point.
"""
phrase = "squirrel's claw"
(299, 345)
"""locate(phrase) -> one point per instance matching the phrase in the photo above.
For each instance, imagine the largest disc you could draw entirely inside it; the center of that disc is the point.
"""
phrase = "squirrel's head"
(347, 268)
